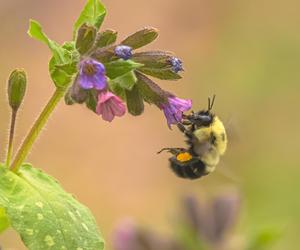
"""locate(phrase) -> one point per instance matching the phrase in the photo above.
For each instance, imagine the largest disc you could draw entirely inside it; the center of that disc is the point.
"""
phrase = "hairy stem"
(11, 136)
(36, 129)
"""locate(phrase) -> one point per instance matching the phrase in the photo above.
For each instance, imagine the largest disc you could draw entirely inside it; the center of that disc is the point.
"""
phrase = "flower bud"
(16, 88)
(85, 38)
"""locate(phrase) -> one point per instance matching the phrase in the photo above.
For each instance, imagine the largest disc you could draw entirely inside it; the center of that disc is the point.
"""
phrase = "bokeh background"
(245, 52)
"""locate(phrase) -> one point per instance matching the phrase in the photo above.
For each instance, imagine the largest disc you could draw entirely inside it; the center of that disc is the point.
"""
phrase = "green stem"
(36, 129)
(11, 136)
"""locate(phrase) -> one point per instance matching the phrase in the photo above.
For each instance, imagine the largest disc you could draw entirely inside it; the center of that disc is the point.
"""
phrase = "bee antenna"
(211, 102)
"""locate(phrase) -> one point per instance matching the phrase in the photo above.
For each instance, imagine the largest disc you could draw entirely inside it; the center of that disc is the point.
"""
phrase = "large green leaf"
(45, 216)
(92, 14)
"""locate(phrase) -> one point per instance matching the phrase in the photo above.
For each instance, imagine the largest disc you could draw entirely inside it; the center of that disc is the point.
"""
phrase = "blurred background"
(245, 52)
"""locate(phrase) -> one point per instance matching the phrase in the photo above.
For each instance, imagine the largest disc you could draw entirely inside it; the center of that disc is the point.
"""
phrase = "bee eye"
(204, 118)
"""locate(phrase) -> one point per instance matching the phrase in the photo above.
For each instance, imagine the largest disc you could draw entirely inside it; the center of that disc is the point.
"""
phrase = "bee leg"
(174, 151)
(183, 129)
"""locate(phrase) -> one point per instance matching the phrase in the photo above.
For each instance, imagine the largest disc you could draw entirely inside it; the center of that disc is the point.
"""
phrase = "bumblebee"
(206, 140)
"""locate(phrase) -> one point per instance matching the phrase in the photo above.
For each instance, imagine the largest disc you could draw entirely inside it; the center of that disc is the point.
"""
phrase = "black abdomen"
(192, 169)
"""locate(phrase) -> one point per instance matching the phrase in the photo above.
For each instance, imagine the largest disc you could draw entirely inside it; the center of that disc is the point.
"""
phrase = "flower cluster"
(110, 75)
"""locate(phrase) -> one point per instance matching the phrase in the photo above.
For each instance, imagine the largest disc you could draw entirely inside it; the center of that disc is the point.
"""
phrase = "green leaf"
(63, 74)
(106, 38)
(150, 91)
(134, 100)
(35, 31)
(163, 74)
(91, 101)
(92, 14)
(62, 65)
(117, 89)
(120, 67)
(45, 216)
(4, 222)
(126, 81)
(141, 38)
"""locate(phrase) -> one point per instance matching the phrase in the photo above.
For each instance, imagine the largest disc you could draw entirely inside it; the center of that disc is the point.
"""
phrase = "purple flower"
(123, 51)
(92, 75)
(174, 108)
(109, 106)
(176, 64)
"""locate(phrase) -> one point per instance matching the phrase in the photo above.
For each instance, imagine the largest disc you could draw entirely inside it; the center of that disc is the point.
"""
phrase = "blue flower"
(176, 64)
(174, 109)
(92, 75)
(123, 51)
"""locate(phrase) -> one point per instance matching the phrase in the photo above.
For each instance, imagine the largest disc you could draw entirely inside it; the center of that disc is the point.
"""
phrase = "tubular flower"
(92, 75)
(109, 106)
(174, 108)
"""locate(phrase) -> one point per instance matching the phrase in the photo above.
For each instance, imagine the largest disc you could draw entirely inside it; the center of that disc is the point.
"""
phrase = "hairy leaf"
(126, 81)
(45, 216)
(134, 100)
(92, 14)
(120, 67)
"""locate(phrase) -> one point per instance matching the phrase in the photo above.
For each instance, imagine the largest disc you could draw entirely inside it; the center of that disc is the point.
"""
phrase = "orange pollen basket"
(182, 157)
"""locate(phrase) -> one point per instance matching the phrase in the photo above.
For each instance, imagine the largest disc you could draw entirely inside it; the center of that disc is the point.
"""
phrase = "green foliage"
(62, 65)
(45, 215)
(134, 100)
(126, 81)
(4, 222)
(141, 38)
(120, 67)
(106, 38)
(93, 14)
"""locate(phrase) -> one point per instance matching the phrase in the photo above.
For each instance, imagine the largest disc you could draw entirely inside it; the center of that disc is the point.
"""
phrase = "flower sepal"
(85, 39)
(141, 38)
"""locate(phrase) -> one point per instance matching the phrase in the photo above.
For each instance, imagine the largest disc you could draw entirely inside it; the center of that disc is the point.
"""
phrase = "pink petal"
(117, 107)
(107, 113)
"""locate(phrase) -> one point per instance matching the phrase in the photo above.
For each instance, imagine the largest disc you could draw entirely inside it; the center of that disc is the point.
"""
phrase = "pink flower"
(109, 106)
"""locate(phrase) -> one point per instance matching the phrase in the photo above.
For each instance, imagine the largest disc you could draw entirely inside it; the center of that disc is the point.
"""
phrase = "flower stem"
(11, 136)
(36, 129)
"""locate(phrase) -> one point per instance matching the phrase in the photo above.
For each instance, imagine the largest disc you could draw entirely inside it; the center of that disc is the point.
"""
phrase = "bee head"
(204, 117)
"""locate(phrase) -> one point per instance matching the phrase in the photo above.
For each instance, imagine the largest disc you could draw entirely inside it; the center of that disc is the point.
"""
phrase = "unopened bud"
(16, 88)
(85, 38)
